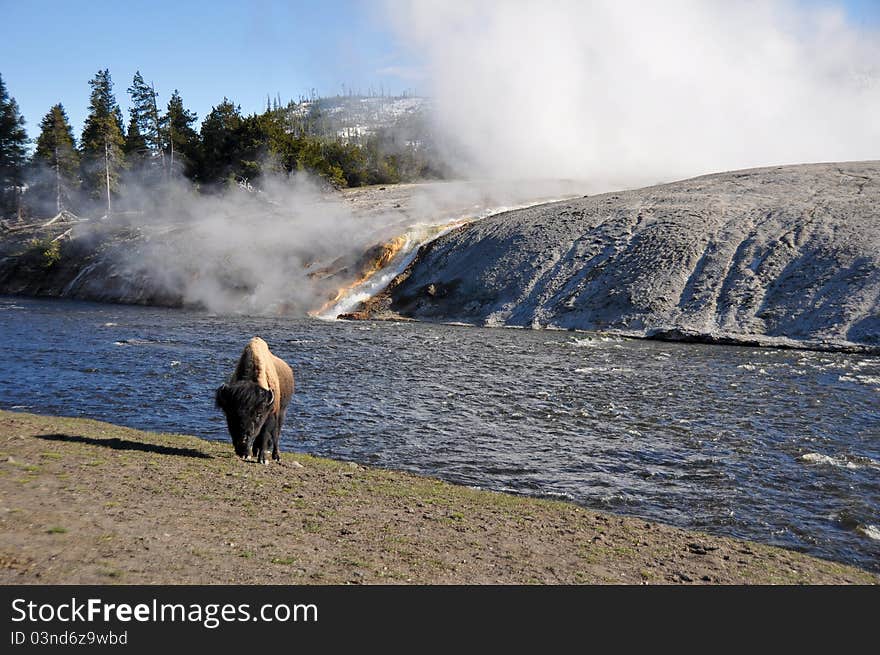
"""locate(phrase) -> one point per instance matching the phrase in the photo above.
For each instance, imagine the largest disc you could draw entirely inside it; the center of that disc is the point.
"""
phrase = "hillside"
(788, 255)
(356, 116)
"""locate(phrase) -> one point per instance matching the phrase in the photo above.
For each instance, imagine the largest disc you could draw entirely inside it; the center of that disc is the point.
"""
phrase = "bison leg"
(264, 446)
(264, 439)
(276, 441)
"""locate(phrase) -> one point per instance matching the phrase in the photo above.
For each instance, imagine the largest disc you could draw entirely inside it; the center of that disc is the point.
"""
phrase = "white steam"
(287, 249)
(626, 92)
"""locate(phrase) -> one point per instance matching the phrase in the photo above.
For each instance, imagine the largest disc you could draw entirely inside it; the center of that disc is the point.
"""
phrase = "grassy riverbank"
(88, 502)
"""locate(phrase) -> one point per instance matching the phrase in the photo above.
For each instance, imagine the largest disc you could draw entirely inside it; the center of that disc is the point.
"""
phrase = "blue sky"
(243, 49)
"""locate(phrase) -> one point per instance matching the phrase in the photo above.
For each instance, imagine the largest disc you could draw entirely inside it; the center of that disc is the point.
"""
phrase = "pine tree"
(145, 115)
(135, 147)
(181, 140)
(102, 140)
(56, 152)
(13, 148)
(218, 142)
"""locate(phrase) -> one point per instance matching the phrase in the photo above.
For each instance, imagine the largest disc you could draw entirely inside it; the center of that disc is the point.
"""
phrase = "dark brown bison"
(254, 400)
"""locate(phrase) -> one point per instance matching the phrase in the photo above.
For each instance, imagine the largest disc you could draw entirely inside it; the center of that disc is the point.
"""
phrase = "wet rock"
(434, 290)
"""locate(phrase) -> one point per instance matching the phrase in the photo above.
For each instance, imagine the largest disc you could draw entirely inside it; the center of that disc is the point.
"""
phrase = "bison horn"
(271, 400)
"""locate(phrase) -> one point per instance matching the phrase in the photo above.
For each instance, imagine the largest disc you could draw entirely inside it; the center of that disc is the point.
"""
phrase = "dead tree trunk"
(171, 144)
(107, 172)
(58, 206)
(154, 111)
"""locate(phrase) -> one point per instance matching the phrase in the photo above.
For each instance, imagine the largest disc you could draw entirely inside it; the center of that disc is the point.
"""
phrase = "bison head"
(247, 406)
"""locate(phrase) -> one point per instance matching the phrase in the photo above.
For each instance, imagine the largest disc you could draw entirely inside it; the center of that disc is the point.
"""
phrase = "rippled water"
(781, 447)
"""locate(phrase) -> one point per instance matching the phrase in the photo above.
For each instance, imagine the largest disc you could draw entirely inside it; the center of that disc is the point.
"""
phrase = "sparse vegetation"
(46, 251)
(287, 561)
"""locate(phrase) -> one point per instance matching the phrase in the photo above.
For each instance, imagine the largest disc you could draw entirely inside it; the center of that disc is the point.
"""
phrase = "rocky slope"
(787, 255)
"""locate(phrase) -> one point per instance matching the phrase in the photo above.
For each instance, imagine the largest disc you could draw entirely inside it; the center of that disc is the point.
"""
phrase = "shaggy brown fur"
(258, 364)
(254, 400)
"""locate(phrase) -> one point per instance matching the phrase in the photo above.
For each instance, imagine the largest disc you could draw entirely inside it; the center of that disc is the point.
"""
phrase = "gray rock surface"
(785, 256)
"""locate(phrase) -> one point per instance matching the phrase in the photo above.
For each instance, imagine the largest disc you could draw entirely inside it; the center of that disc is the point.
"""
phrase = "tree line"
(162, 143)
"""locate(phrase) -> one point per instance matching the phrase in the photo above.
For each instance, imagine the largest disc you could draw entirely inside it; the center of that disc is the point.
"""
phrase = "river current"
(780, 447)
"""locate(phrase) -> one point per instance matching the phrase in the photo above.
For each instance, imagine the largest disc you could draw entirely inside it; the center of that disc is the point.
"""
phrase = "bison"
(254, 400)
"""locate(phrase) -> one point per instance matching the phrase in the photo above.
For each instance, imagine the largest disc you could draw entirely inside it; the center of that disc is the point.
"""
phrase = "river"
(776, 446)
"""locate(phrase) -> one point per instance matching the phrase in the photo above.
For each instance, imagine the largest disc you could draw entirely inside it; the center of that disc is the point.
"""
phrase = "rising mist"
(285, 248)
(627, 93)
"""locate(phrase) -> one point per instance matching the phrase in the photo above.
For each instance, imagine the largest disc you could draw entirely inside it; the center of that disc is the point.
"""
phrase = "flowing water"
(781, 447)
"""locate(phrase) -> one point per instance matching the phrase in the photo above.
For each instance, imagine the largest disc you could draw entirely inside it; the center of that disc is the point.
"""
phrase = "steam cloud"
(288, 248)
(247, 252)
(626, 93)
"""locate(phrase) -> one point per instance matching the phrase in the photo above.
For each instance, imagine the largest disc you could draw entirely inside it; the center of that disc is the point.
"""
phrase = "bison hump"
(257, 364)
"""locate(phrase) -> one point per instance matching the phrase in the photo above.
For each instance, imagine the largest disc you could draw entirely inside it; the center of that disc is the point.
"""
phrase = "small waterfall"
(405, 248)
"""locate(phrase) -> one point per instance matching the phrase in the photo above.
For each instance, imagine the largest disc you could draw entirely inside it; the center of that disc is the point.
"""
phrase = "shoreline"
(660, 335)
(671, 335)
(86, 502)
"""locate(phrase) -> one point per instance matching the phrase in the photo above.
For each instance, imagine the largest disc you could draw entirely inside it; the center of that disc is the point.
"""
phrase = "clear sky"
(243, 49)
(206, 49)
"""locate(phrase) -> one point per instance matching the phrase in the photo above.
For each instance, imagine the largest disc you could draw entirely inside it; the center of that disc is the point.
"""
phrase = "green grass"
(287, 561)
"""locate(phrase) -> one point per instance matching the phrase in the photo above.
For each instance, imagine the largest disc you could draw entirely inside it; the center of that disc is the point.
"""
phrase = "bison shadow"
(124, 444)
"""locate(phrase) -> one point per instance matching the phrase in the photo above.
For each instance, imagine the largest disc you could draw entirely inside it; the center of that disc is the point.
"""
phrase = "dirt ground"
(89, 502)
